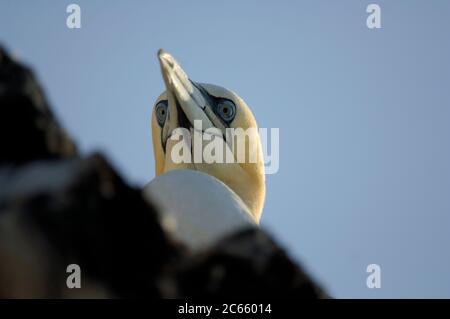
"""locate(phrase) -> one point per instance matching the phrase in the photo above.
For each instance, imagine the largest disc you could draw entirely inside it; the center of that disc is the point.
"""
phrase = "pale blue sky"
(363, 114)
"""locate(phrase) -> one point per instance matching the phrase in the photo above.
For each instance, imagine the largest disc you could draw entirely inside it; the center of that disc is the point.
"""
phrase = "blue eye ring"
(161, 112)
(226, 109)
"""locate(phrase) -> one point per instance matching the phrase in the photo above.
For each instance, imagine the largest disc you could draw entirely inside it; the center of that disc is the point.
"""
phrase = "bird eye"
(161, 112)
(226, 110)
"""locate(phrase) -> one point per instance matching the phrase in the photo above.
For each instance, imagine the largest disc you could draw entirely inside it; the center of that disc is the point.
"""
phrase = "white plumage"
(197, 208)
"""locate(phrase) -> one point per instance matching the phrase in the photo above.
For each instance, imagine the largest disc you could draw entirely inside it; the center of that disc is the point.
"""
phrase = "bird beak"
(182, 90)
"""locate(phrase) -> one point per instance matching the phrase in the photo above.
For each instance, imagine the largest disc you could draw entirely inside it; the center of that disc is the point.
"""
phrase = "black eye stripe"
(224, 108)
(215, 103)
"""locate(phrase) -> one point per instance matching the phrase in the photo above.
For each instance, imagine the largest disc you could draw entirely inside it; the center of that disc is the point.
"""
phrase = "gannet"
(201, 202)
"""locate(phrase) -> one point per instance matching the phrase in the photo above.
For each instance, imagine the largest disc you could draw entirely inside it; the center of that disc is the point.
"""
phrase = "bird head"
(227, 125)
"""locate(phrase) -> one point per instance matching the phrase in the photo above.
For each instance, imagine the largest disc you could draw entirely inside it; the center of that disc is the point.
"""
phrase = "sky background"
(363, 114)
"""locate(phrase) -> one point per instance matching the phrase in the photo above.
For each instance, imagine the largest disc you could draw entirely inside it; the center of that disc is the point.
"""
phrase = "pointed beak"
(181, 91)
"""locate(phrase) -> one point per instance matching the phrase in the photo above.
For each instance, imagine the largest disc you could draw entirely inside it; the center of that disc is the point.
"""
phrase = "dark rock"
(246, 264)
(86, 215)
(28, 128)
